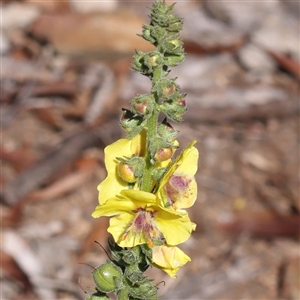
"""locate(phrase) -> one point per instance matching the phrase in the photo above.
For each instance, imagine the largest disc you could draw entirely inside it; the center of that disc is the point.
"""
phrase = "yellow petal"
(113, 183)
(118, 227)
(185, 165)
(139, 196)
(176, 228)
(114, 206)
(110, 187)
(169, 259)
(119, 148)
(189, 161)
(138, 144)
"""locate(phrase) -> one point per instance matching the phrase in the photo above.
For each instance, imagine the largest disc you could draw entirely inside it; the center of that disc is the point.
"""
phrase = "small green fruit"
(108, 277)
(97, 296)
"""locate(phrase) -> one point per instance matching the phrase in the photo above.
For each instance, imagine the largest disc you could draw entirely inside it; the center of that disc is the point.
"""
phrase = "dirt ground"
(65, 75)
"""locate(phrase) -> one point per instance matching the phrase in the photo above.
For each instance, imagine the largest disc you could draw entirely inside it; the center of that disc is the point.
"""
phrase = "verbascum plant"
(146, 190)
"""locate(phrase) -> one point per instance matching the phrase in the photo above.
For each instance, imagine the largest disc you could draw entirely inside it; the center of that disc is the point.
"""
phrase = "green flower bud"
(166, 131)
(175, 27)
(138, 61)
(145, 290)
(140, 108)
(153, 59)
(153, 34)
(108, 277)
(172, 60)
(130, 257)
(174, 109)
(162, 16)
(145, 63)
(135, 276)
(172, 45)
(142, 104)
(147, 33)
(166, 88)
(130, 122)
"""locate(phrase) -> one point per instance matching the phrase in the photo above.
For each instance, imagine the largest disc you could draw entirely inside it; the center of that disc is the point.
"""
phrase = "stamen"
(143, 224)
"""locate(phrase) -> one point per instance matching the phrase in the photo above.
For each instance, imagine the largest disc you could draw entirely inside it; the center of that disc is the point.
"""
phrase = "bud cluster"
(165, 96)
(124, 275)
(146, 191)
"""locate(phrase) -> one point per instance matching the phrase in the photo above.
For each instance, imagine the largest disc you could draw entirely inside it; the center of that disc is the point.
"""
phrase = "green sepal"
(136, 277)
(147, 251)
(162, 15)
(146, 63)
(158, 173)
(157, 143)
(115, 250)
(175, 108)
(98, 296)
(166, 131)
(153, 34)
(145, 291)
(130, 121)
(142, 104)
(130, 257)
(165, 88)
(172, 60)
(172, 45)
(138, 164)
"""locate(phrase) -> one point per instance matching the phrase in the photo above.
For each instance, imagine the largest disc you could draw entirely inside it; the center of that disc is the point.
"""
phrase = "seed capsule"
(97, 296)
(108, 277)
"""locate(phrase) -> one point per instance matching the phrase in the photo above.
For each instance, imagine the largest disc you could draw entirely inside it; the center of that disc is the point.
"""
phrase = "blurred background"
(65, 75)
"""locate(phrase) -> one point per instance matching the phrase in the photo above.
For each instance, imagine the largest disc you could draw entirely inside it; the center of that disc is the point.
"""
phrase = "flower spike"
(147, 188)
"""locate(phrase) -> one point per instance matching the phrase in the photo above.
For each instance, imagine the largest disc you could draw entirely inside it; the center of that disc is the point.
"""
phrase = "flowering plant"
(146, 191)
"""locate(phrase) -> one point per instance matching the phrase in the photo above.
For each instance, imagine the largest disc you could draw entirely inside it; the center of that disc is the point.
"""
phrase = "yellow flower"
(178, 187)
(113, 183)
(138, 219)
(169, 259)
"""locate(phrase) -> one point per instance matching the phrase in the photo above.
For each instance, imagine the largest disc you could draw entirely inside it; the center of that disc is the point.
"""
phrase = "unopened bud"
(140, 108)
(153, 59)
(142, 104)
(168, 91)
(130, 122)
(163, 154)
(166, 88)
(181, 102)
(166, 131)
(147, 33)
(174, 60)
(174, 44)
(126, 172)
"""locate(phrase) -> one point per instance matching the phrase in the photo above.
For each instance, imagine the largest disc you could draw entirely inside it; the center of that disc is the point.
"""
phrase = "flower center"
(143, 224)
(178, 189)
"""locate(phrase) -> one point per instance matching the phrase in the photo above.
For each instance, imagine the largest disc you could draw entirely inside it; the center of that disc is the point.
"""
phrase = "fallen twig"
(55, 160)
